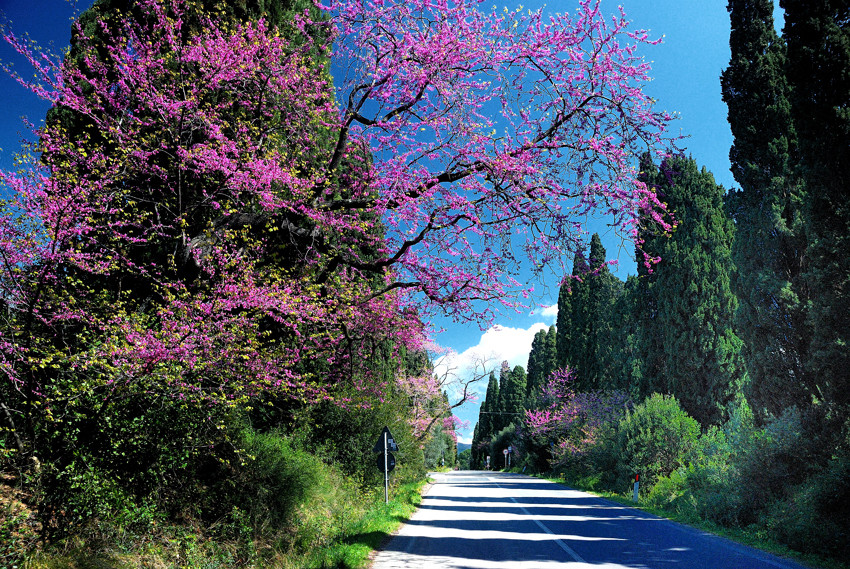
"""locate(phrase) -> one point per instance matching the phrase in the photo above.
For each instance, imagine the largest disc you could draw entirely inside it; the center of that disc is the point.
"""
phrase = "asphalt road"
(480, 520)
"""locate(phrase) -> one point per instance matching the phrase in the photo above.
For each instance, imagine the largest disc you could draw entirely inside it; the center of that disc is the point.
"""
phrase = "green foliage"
(501, 441)
(770, 245)
(536, 367)
(464, 459)
(107, 459)
(563, 324)
(624, 339)
(701, 487)
(277, 480)
(487, 422)
(689, 346)
(814, 518)
(653, 440)
(17, 526)
(818, 39)
(368, 532)
(439, 449)
(345, 437)
(512, 396)
(585, 319)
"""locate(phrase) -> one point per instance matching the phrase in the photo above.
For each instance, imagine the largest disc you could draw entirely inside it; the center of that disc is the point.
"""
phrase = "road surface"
(484, 520)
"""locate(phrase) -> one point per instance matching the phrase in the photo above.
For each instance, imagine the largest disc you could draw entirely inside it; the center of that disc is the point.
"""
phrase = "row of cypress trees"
(750, 296)
(668, 329)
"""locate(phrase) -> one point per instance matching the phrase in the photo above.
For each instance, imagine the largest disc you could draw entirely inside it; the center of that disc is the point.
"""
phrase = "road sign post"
(386, 434)
(637, 483)
(386, 461)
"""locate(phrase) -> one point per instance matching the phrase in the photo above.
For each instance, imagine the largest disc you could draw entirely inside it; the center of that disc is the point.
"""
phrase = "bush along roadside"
(740, 480)
(281, 507)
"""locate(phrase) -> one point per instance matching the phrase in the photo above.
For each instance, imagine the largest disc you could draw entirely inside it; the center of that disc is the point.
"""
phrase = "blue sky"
(686, 71)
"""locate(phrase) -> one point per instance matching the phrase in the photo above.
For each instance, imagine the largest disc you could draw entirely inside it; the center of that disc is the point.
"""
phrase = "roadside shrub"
(814, 518)
(345, 436)
(654, 439)
(698, 488)
(772, 461)
(601, 459)
(672, 492)
(278, 480)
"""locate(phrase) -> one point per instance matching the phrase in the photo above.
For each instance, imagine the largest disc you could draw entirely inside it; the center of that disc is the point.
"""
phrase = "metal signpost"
(637, 483)
(386, 460)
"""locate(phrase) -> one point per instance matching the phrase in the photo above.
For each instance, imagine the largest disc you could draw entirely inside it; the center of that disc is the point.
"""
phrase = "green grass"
(754, 537)
(370, 532)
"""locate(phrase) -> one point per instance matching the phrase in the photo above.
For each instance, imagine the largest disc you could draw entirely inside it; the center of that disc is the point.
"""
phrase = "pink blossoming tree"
(573, 421)
(223, 226)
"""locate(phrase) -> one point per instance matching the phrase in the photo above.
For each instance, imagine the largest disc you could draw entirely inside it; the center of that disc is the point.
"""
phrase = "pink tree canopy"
(247, 223)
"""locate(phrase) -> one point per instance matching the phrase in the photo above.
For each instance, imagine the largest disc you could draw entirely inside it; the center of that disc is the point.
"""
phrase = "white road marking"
(542, 526)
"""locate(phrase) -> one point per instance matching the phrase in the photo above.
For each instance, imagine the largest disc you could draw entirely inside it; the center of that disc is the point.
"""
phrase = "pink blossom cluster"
(265, 225)
(573, 421)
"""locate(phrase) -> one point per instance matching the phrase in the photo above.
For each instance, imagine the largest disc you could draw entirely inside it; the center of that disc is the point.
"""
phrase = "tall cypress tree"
(592, 297)
(622, 341)
(501, 420)
(770, 249)
(541, 361)
(550, 360)
(604, 289)
(536, 365)
(474, 452)
(702, 365)
(818, 69)
(649, 364)
(564, 323)
(512, 396)
(488, 413)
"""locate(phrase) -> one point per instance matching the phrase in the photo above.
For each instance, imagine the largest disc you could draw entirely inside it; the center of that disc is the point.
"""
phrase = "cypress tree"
(512, 395)
(541, 362)
(622, 342)
(536, 365)
(818, 38)
(579, 333)
(474, 451)
(487, 415)
(701, 361)
(649, 361)
(500, 419)
(550, 361)
(593, 295)
(770, 248)
(564, 323)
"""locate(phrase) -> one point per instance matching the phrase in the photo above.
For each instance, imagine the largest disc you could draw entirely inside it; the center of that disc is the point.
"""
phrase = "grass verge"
(367, 535)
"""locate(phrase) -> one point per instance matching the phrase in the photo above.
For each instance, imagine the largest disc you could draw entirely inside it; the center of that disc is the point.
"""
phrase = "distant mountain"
(462, 447)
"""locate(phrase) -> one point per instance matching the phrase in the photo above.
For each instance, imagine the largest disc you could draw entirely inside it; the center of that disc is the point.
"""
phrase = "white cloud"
(497, 344)
(550, 312)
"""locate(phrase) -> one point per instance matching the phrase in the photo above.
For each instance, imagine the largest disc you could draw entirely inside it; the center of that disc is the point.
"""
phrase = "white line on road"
(542, 526)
